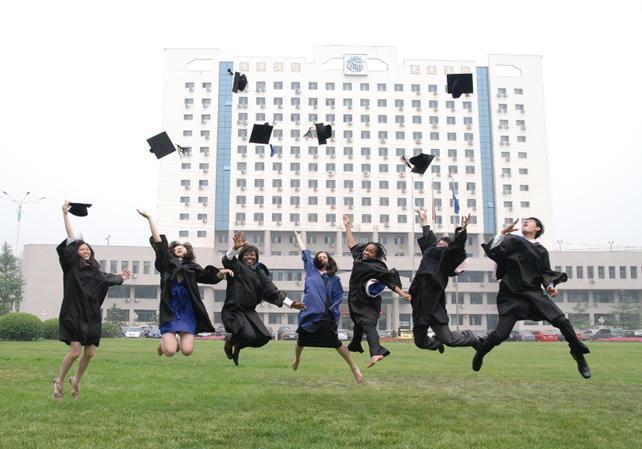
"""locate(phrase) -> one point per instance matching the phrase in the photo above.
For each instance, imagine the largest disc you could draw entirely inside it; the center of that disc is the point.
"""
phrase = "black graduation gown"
(524, 268)
(363, 308)
(429, 285)
(168, 266)
(85, 289)
(245, 291)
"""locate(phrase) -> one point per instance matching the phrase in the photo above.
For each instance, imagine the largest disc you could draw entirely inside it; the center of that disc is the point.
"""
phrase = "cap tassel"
(181, 151)
(271, 150)
(308, 135)
(403, 158)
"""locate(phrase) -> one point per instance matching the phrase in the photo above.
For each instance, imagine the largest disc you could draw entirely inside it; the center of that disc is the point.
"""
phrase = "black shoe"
(582, 365)
(228, 351)
(478, 343)
(478, 359)
(441, 348)
(235, 356)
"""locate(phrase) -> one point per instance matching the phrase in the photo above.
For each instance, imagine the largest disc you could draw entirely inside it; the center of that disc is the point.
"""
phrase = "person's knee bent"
(169, 352)
(187, 352)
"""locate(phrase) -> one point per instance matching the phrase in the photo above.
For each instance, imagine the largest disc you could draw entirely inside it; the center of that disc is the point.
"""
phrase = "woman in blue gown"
(182, 312)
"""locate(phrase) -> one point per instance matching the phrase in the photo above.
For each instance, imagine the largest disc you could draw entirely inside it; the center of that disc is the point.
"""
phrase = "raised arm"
(299, 241)
(152, 225)
(65, 214)
(423, 215)
(349, 236)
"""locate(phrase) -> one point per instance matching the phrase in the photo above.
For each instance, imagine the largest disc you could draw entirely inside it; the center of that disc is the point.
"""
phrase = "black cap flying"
(240, 82)
(460, 83)
(418, 164)
(161, 145)
(324, 132)
(261, 134)
(79, 209)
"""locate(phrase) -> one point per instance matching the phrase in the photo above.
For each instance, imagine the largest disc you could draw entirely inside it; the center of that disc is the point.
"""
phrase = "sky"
(81, 91)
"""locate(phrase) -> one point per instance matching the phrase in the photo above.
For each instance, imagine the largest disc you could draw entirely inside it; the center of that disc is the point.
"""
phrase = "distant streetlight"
(559, 242)
(611, 243)
(108, 237)
(20, 203)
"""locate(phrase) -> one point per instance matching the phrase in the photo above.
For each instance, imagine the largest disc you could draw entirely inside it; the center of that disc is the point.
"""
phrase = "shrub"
(20, 326)
(50, 329)
(109, 330)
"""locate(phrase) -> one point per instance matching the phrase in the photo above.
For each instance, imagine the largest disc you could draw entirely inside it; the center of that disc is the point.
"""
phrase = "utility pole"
(20, 204)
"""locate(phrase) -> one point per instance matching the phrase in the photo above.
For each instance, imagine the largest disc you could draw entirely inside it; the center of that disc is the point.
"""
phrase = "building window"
(381, 87)
(313, 218)
(347, 86)
(521, 155)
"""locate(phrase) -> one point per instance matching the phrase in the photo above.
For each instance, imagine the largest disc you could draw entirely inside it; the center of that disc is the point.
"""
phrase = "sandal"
(57, 391)
(74, 389)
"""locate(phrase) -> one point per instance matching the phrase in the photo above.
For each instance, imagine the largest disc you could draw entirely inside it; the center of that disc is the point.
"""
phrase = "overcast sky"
(81, 90)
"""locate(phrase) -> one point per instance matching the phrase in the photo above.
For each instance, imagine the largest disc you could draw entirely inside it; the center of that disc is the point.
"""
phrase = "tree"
(11, 282)
(627, 311)
(115, 315)
(580, 319)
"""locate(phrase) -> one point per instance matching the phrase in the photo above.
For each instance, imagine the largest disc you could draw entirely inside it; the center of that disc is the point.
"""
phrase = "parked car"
(561, 337)
(384, 334)
(272, 333)
(526, 336)
(289, 335)
(406, 335)
(544, 335)
(280, 331)
(134, 332)
(220, 331)
(121, 332)
(617, 333)
(154, 333)
(587, 334)
(601, 334)
(205, 334)
(514, 336)
(344, 334)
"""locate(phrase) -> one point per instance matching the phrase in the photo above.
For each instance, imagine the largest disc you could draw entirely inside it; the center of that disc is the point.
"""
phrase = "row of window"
(364, 87)
(347, 102)
(329, 118)
(124, 265)
(613, 272)
(347, 201)
(347, 151)
(259, 217)
(332, 167)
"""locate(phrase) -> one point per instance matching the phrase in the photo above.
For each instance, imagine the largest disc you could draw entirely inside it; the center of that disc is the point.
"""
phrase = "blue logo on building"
(355, 64)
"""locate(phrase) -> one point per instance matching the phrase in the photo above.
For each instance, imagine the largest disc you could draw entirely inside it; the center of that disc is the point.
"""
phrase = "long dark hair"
(92, 262)
(189, 251)
(332, 264)
(381, 251)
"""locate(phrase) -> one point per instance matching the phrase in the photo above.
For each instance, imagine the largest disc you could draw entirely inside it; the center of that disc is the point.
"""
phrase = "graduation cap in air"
(79, 209)
(240, 82)
(418, 164)
(261, 134)
(161, 146)
(460, 83)
(324, 132)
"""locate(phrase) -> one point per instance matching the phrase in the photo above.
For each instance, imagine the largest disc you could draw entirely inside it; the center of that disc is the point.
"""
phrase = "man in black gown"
(524, 268)
(440, 260)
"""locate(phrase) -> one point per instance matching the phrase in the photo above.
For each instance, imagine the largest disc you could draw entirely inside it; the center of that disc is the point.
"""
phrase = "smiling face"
(180, 251)
(84, 251)
(442, 244)
(249, 258)
(370, 252)
(323, 260)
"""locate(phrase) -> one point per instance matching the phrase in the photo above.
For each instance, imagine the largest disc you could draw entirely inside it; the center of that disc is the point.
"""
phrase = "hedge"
(20, 326)
(109, 330)
(51, 329)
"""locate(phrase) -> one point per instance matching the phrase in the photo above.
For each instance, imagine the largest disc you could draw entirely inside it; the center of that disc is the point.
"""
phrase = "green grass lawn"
(527, 395)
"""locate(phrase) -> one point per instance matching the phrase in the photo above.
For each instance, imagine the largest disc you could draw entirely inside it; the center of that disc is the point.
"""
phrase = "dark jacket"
(85, 289)
(168, 266)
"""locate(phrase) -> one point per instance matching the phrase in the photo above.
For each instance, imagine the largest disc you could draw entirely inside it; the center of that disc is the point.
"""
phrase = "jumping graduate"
(524, 268)
(85, 288)
(364, 302)
(440, 260)
(182, 312)
(323, 293)
(246, 288)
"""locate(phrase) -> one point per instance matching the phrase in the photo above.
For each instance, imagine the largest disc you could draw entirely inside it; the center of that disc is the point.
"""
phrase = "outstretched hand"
(552, 291)
(125, 274)
(346, 221)
(238, 240)
(406, 296)
(510, 228)
(298, 305)
(422, 214)
(464, 222)
(297, 234)
(144, 214)
(65, 207)
(221, 274)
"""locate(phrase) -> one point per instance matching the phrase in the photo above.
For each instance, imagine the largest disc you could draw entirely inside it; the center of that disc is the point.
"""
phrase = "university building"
(491, 153)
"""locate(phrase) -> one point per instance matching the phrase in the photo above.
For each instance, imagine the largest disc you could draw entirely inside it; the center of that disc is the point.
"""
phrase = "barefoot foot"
(295, 364)
(357, 374)
(374, 359)
(160, 348)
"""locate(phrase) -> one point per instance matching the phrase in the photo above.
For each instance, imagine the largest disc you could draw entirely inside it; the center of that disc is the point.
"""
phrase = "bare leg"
(345, 353)
(168, 344)
(297, 356)
(374, 359)
(186, 343)
(74, 352)
(88, 353)
(178, 342)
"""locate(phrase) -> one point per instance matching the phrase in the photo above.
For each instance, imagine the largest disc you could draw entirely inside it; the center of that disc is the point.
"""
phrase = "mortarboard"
(323, 133)
(418, 164)
(161, 145)
(240, 82)
(79, 209)
(461, 83)
(261, 134)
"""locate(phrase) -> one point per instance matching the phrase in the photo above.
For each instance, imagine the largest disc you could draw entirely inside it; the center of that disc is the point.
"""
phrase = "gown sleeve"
(549, 276)
(390, 279)
(162, 253)
(357, 250)
(269, 292)
(428, 240)
(308, 262)
(208, 275)
(67, 254)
